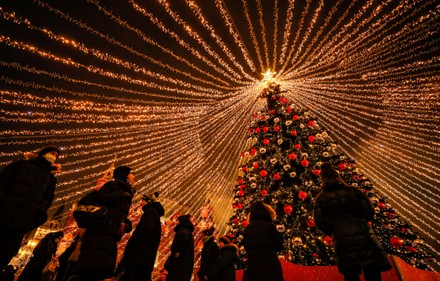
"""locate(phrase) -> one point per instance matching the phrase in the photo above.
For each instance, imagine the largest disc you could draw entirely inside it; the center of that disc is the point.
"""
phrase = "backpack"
(89, 214)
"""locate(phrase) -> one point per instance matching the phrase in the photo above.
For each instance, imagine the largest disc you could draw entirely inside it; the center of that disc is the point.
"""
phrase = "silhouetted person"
(224, 268)
(180, 264)
(140, 253)
(343, 212)
(41, 256)
(262, 241)
(210, 252)
(98, 251)
(27, 190)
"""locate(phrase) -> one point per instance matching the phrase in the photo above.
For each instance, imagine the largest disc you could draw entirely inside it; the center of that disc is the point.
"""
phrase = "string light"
(171, 89)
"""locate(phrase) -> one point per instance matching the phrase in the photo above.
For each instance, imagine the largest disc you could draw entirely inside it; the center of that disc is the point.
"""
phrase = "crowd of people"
(27, 190)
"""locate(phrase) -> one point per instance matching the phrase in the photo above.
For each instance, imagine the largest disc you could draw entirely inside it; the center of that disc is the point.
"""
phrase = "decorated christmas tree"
(281, 167)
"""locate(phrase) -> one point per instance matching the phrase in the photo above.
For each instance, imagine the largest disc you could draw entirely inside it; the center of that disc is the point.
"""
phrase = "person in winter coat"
(261, 242)
(210, 252)
(27, 190)
(63, 260)
(224, 268)
(98, 251)
(41, 256)
(344, 212)
(140, 253)
(180, 264)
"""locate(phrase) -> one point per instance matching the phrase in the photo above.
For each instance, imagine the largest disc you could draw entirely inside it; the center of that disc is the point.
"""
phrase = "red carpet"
(401, 272)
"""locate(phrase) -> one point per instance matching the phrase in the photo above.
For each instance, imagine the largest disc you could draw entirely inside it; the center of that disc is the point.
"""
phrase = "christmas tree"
(281, 167)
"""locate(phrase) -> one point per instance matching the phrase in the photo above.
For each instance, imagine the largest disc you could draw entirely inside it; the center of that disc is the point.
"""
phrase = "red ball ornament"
(240, 193)
(302, 195)
(276, 128)
(289, 109)
(297, 146)
(253, 151)
(292, 156)
(244, 168)
(288, 209)
(391, 215)
(235, 221)
(262, 117)
(263, 173)
(382, 205)
(283, 100)
(263, 192)
(310, 222)
(243, 186)
(272, 112)
(257, 130)
(311, 138)
(266, 141)
(265, 129)
(342, 166)
(255, 165)
(240, 181)
(255, 115)
(276, 177)
(251, 130)
(304, 162)
(316, 172)
(295, 117)
(293, 133)
(411, 249)
(240, 206)
(242, 154)
(315, 255)
(245, 223)
(310, 123)
(328, 240)
(396, 242)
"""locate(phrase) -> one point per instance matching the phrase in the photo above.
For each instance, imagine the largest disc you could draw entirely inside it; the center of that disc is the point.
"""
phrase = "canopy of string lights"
(169, 88)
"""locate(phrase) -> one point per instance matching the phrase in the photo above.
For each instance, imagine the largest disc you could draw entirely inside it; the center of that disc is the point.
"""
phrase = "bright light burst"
(170, 87)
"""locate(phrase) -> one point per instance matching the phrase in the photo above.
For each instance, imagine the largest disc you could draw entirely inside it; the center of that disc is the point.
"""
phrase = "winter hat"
(47, 149)
(208, 231)
(225, 239)
(150, 197)
(184, 218)
(328, 171)
(121, 173)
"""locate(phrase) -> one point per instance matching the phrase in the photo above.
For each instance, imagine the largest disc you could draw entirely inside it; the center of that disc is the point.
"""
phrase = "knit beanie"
(121, 173)
(47, 149)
